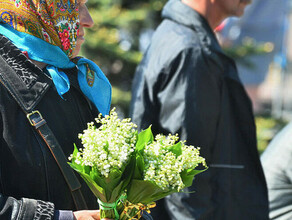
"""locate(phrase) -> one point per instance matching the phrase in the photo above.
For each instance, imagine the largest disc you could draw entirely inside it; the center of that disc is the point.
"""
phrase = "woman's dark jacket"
(31, 184)
(185, 84)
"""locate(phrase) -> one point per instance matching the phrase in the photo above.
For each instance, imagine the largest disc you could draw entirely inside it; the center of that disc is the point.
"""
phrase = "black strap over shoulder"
(27, 95)
(37, 121)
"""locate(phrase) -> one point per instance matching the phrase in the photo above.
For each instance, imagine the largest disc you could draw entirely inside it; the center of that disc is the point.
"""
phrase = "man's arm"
(190, 106)
(190, 98)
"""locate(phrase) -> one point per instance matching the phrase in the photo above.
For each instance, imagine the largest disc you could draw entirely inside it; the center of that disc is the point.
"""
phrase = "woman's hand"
(88, 215)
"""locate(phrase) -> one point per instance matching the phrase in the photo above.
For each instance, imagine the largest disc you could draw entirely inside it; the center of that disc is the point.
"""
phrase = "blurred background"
(260, 42)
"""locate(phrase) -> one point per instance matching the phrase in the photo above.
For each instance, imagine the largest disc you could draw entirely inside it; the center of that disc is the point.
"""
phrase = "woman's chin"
(75, 52)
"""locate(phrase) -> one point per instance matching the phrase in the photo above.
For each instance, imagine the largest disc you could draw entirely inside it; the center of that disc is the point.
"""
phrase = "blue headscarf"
(92, 81)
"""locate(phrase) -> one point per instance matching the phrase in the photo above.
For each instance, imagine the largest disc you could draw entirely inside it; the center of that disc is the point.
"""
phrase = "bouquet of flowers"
(128, 171)
(163, 166)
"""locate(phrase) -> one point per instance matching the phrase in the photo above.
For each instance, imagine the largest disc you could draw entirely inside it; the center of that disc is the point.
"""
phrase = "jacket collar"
(179, 12)
(25, 81)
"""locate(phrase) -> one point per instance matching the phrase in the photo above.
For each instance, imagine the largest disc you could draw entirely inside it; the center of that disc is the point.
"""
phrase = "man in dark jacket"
(185, 84)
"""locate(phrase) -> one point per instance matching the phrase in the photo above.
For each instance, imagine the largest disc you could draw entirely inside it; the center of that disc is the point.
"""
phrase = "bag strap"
(9, 80)
(42, 128)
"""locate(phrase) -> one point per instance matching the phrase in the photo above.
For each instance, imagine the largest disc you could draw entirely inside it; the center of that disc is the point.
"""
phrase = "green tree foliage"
(113, 42)
(267, 128)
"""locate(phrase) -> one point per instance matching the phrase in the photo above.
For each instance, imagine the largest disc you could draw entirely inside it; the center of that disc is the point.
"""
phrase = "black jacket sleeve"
(190, 99)
(190, 106)
(13, 209)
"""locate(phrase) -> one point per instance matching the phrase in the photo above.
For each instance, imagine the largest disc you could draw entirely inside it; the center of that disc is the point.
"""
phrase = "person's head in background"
(45, 25)
(215, 11)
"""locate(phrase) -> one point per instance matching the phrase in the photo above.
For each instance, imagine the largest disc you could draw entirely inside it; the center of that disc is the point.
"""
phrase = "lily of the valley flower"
(109, 145)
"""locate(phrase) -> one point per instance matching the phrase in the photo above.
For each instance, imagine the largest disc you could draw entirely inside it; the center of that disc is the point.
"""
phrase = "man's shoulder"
(172, 38)
(172, 42)
(169, 41)
(175, 35)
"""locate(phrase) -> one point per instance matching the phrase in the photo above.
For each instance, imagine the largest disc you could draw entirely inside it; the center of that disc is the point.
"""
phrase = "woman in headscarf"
(40, 71)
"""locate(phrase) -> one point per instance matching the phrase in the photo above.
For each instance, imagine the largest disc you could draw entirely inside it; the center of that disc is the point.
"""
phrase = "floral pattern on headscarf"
(54, 21)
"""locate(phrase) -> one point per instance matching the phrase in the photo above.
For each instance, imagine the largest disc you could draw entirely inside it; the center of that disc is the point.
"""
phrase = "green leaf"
(144, 137)
(188, 176)
(141, 191)
(129, 171)
(73, 163)
(113, 179)
(97, 177)
(97, 190)
(176, 149)
(118, 180)
(75, 166)
(87, 169)
(106, 146)
(116, 193)
(75, 151)
(140, 166)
